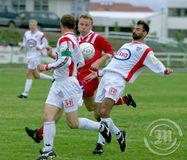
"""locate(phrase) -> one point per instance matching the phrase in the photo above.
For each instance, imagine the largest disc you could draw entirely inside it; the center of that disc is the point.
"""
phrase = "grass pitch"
(156, 98)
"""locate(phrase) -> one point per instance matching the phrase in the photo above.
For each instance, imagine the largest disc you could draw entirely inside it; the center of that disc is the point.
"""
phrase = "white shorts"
(32, 63)
(111, 86)
(65, 94)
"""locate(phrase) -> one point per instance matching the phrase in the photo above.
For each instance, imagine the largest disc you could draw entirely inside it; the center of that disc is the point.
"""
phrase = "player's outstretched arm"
(93, 74)
(42, 67)
(50, 52)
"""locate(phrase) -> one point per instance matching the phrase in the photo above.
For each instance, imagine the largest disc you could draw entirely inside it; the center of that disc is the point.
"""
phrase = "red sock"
(121, 101)
(40, 132)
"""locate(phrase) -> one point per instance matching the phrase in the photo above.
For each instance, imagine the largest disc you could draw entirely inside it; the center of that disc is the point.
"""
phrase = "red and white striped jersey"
(33, 40)
(129, 60)
(100, 45)
(66, 66)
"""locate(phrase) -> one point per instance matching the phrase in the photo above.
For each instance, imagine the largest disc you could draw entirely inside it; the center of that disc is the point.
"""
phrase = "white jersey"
(33, 40)
(65, 64)
(131, 58)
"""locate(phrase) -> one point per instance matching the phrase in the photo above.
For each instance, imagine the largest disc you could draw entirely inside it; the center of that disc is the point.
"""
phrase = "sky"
(155, 5)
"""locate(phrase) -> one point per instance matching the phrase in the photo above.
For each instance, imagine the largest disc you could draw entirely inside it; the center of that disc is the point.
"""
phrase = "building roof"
(112, 6)
(124, 15)
(124, 19)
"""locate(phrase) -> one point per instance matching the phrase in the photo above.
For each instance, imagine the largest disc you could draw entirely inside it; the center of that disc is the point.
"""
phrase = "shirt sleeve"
(64, 56)
(104, 45)
(24, 40)
(154, 64)
(63, 61)
(80, 59)
(43, 42)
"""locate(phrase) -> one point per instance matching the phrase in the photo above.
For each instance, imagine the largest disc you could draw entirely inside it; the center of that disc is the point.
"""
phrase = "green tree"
(179, 36)
(116, 27)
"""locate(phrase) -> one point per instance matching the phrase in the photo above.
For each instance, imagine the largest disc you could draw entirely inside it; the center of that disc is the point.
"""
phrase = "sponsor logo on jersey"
(68, 103)
(112, 91)
(153, 59)
(123, 54)
(31, 43)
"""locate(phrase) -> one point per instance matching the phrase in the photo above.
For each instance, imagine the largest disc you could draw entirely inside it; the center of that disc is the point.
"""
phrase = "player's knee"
(106, 107)
(73, 125)
(36, 76)
(104, 112)
(90, 107)
(46, 117)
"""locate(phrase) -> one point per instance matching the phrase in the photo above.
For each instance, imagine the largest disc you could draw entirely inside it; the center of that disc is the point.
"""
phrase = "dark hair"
(144, 24)
(68, 21)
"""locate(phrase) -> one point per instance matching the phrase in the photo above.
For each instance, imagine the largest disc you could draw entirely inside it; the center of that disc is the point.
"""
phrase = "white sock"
(88, 124)
(101, 140)
(113, 128)
(48, 135)
(45, 76)
(28, 85)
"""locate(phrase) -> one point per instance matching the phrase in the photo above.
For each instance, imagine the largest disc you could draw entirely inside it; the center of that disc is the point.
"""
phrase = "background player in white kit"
(125, 67)
(66, 93)
(34, 42)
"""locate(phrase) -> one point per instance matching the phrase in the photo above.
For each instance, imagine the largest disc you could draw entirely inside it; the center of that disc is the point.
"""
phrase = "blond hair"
(86, 16)
(33, 21)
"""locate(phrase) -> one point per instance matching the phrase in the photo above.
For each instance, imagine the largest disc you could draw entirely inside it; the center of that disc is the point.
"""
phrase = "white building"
(176, 13)
(126, 20)
(170, 20)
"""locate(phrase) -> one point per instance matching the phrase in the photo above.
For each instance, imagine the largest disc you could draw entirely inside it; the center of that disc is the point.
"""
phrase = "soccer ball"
(87, 50)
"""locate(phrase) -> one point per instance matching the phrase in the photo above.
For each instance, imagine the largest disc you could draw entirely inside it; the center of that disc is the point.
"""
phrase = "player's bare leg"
(28, 83)
(89, 103)
(37, 134)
